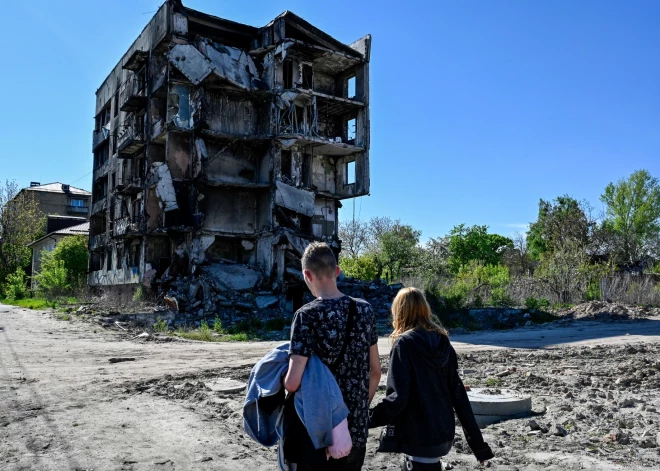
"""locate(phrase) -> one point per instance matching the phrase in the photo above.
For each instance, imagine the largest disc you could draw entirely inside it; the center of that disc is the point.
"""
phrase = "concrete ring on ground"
(491, 405)
(226, 386)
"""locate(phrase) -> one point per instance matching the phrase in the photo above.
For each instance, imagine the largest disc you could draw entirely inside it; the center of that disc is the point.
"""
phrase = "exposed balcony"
(127, 227)
(77, 209)
(98, 241)
(130, 186)
(133, 94)
(99, 137)
(100, 205)
(130, 137)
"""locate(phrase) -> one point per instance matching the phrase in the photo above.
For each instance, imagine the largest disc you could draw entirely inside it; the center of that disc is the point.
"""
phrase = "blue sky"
(479, 108)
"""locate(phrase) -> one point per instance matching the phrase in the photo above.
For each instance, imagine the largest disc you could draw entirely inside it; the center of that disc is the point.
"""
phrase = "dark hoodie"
(423, 391)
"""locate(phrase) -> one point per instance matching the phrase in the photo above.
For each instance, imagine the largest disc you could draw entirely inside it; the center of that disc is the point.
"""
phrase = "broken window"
(286, 164)
(307, 170)
(101, 155)
(135, 256)
(350, 86)
(350, 131)
(103, 118)
(120, 257)
(307, 76)
(108, 260)
(180, 104)
(136, 211)
(350, 172)
(100, 189)
(96, 262)
(113, 183)
(287, 73)
(116, 101)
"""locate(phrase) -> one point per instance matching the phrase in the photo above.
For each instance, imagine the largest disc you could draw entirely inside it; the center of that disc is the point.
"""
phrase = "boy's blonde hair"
(410, 310)
(320, 260)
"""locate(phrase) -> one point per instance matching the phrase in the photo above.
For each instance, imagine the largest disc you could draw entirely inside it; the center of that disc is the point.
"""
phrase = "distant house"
(49, 241)
(61, 199)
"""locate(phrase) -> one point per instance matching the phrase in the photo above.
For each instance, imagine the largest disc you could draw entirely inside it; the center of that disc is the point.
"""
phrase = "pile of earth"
(603, 311)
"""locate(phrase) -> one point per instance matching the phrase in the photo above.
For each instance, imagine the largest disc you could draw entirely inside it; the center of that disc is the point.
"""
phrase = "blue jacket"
(319, 401)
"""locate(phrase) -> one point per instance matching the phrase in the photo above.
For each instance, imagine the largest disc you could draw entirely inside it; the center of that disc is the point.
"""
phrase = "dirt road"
(65, 406)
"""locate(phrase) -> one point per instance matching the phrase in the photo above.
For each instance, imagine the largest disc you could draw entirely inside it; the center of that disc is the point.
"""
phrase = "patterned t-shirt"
(319, 327)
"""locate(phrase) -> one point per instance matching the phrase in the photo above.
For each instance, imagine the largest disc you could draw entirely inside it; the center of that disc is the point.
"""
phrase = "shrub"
(160, 325)
(15, 286)
(52, 280)
(534, 303)
(363, 268)
(217, 326)
(137, 295)
(277, 324)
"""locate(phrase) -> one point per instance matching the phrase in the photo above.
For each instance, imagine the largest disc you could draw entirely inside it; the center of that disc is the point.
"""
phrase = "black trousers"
(298, 447)
(352, 462)
(408, 465)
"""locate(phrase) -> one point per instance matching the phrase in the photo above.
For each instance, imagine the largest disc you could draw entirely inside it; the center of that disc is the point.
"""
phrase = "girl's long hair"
(410, 310)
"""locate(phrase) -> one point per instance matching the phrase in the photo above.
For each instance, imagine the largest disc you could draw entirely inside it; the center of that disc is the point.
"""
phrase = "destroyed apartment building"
(221, 150)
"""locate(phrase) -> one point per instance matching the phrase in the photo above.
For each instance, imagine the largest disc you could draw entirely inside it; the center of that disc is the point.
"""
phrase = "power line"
(80, 178)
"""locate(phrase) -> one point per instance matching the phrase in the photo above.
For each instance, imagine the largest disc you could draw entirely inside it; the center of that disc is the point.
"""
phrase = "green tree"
(398, 250)
(363, 267)
(21, 222)
(633, 217)
(558, 221)
(65, 267)
(475, 243)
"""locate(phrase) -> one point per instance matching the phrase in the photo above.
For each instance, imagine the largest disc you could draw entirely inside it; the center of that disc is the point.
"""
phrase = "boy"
(322, 327)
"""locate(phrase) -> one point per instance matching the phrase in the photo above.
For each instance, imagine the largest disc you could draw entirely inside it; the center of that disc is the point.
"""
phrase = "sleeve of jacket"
(464, 412)
(398, 389)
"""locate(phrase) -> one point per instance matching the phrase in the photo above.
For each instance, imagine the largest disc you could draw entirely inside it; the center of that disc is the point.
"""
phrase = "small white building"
(48, 243)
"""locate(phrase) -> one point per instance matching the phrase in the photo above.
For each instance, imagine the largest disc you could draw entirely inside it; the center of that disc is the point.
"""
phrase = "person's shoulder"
(363, 305)
(311, 309)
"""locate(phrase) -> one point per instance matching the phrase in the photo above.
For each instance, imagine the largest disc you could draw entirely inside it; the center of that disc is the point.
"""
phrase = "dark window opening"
(108, 260)
(101, 155)
(97, 262)
(135, 256)
(119, 262)
(113, 180)
(287, 73)
(350, 85)
(136, 211)
(307, 76)
(286, 163)
(350, 172)
(103, 118)
(100, 189)
(307, 170)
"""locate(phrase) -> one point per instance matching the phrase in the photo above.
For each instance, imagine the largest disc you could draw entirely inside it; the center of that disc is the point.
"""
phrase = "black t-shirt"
(319, 327)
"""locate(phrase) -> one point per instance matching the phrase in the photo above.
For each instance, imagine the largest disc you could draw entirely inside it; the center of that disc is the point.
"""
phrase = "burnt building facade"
(218, 145)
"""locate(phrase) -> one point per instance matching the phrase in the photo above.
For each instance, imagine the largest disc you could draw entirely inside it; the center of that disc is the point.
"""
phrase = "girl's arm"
(398, 389)
(464, 412)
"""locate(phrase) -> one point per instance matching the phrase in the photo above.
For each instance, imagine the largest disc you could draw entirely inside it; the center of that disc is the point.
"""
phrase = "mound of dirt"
(604, 311)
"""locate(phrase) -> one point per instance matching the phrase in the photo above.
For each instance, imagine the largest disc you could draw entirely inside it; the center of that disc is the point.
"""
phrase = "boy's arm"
(374, 371)
(293, 377)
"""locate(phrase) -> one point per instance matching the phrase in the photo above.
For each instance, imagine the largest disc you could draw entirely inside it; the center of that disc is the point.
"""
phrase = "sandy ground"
(64, 406)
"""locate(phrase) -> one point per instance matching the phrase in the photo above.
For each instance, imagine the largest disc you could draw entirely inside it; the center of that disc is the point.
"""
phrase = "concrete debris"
(603, 311)
(233, 277)
(120, 360)
(266, 301)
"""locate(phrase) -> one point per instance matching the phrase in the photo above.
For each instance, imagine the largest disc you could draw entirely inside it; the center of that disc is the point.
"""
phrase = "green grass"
(31, 303)
(63, 316)
(493, 382)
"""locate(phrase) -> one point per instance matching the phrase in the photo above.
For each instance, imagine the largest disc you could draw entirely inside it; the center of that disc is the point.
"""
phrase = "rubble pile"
(603, 311)
(235, 292)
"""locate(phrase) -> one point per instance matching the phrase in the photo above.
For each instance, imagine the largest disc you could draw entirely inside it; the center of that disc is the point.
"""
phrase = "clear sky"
(479, 107)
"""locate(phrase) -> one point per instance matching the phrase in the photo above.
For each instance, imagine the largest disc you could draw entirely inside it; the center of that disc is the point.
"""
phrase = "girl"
(423, 390)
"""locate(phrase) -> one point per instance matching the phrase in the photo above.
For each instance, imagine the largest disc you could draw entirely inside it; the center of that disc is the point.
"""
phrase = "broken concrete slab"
(295, 199)
(234, 277)
(264, 302)
(164, 186)
(190, 62)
